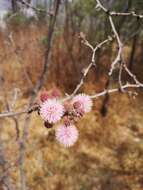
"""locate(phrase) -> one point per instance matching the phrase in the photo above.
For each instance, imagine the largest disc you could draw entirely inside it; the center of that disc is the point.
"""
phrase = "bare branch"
(35, 8)
(35, 90)
(11, 114)
(110, 91)
(118, 57)
(86, 70)
(112, 13)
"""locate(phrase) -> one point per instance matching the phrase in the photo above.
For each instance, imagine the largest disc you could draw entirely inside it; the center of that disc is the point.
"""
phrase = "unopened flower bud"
(82, 101)
(79, 111)
(68, 107)
(77, 105)
(44, 96)
(55, 93)
(67, 121)
(48, 125)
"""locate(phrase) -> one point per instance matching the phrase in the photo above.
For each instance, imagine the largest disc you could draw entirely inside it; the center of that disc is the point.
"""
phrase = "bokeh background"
(109, 152)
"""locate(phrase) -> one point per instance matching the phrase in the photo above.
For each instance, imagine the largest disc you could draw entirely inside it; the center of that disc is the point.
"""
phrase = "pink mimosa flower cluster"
(53, 110)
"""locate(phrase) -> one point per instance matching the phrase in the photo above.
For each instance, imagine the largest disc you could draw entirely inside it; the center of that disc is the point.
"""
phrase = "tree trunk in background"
(132, 53)
(123, 19)
(69, 34)
(45, 4)
(135, 39)
(14, 6)
(50, 5)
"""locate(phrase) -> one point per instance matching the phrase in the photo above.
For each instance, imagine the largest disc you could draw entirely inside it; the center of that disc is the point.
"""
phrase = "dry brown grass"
(108, 154)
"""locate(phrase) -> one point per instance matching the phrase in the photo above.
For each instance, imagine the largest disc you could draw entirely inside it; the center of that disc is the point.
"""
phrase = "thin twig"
(119, 54)
(35, 8)
(97, 95)
(86, 71)
(112, 13)
(110, 91)
(11, 114)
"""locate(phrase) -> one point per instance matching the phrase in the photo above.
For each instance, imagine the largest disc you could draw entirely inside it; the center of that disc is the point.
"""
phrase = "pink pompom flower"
(51, 110)
(82, 102)
(67, 135)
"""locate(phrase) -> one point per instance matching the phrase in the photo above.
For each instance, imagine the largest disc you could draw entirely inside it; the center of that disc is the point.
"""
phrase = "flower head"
(67, 135)
(51, 110)
(82, 102)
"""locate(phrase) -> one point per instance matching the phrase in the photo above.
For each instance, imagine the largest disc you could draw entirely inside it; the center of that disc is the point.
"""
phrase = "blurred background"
(109, 152)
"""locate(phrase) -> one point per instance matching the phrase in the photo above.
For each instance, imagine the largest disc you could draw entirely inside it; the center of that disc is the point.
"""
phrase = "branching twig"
(119, 57)
(35, 90)
(112, 13)
(110, 91)
(23, 2)
(119, 54)
(86, 70)
(19, 59)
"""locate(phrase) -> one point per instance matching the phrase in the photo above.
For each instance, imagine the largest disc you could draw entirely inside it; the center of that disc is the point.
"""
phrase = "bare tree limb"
(35, 90)
(28, 5)
(92, 63)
